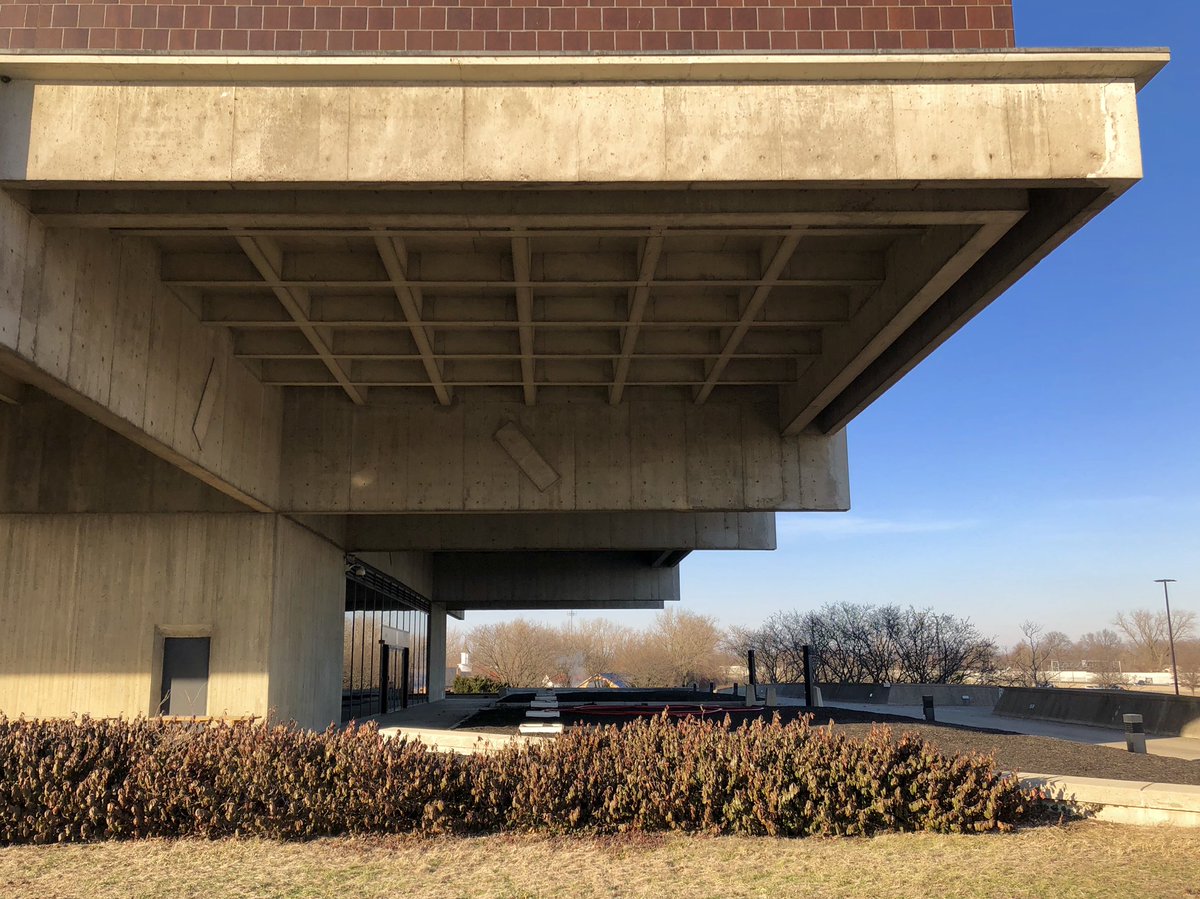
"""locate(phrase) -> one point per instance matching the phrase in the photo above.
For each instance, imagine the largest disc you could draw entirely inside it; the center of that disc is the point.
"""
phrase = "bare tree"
(1102, 653)
(691, 643)
(1188, 653)
(518, 653)
(1147, 632)
(1032, 656)
(592, 647)
(854, 642)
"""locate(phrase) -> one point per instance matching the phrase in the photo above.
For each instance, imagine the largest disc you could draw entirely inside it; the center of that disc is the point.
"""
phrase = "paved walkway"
(1175, 747)
(442, 715)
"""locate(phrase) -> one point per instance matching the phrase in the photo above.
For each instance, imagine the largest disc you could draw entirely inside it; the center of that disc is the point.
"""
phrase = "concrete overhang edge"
(1136, 65)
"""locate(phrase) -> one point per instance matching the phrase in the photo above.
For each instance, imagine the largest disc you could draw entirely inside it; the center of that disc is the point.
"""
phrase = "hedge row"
(86, 779)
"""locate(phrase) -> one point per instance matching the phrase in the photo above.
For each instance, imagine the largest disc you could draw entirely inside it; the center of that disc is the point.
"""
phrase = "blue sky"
(1045, 463)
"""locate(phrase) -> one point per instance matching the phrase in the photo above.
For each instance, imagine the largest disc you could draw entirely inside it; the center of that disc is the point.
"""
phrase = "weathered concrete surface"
(86, 600)
(902, 694)
(563, 531)
(1120, 801)
(557, 580)
(1163, 714)
(56, 459)
(877, 130)
(650, 456)
(84, 317)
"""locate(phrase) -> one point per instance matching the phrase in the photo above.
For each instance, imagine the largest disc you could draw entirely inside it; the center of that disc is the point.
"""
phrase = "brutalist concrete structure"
(517, 305)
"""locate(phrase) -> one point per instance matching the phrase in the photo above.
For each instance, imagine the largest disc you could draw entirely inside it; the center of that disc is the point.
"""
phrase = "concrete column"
(437, 651)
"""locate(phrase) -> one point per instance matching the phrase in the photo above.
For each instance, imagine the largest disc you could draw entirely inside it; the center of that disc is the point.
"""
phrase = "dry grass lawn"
(1082, 859)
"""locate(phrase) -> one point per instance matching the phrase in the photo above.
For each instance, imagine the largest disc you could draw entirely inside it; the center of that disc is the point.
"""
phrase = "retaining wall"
(900, 694)
(1163, 714)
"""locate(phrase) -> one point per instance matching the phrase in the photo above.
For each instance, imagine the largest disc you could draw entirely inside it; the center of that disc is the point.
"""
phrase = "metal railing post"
(404, 677)
(808, 675)
(383, 677)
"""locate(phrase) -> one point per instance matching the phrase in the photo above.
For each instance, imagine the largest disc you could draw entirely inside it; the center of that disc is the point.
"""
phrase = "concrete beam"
(622, 130)
(644, 455)
(509, 211)
(1137, 65)
(921, 268)
(11, 390)
(559, 580)
(519, 605)
(563, 531)
(56, 459)
(1054, 215)
(84, 318)
(267, 259)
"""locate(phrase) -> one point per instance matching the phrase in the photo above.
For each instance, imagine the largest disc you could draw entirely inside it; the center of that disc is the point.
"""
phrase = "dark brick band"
(531, 26)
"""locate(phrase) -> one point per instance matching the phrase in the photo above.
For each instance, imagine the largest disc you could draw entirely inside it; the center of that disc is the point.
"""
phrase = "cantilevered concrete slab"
(553, 580)
(525, 330)
(563, 531)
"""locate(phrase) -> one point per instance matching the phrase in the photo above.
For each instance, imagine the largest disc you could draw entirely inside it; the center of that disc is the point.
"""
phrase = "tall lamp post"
(1170, 631)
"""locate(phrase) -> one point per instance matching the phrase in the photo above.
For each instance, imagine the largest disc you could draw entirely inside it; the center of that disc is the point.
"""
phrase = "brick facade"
(505, 26)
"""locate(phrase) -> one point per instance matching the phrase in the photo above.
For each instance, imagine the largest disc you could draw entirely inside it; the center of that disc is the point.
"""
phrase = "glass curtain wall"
(379, 607)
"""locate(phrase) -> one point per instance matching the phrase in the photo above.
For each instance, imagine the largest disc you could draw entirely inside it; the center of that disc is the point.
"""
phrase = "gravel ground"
(1017, 752)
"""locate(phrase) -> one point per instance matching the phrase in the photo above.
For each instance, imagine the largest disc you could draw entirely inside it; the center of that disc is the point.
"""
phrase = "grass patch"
(1078, 860)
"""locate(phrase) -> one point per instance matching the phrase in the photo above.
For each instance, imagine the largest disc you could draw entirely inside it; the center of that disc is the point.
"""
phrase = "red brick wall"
(525, 26)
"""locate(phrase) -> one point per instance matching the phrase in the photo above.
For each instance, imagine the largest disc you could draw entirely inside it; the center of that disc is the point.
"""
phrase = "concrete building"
(472, 306)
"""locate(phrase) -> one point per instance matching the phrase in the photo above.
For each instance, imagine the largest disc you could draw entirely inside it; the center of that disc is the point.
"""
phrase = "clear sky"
(1044, 463)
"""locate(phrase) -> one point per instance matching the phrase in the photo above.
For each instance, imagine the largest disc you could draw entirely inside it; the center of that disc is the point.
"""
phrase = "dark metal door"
(185, 676)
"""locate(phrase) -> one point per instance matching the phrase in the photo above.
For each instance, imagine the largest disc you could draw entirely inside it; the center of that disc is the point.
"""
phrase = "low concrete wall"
(1164, 715)
(862, 693)
(901, 694)
(945, 694)
(1119, 801)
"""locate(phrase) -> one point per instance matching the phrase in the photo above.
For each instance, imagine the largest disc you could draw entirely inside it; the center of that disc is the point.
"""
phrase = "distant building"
(605, 682)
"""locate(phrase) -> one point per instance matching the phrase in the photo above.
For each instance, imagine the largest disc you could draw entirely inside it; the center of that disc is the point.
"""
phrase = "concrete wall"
(84, 317)
(395, 456)
(85, 601)
(472, 26)
(56, 459)
(1166, 715)
(412, 568)
(902, 694)
(306, 627)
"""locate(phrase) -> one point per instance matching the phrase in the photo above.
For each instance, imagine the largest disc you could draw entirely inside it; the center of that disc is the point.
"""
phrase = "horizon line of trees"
(850, 643)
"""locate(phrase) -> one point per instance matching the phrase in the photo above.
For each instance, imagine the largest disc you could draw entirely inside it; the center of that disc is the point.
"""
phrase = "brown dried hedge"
(87, 779)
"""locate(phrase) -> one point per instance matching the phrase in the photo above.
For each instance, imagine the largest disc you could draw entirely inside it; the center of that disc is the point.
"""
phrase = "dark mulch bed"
(1015, 752)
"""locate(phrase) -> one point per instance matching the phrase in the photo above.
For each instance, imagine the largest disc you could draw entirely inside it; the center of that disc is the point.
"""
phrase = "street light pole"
(1170, 631)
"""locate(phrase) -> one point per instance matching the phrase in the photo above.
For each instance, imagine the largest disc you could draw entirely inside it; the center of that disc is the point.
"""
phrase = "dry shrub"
(88, 779)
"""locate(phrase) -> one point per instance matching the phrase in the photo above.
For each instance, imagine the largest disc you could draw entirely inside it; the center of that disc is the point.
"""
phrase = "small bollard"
(1135, 734)
(927, 707)
(735, 692)
(712, 686)
(751, 695)
(772, 696)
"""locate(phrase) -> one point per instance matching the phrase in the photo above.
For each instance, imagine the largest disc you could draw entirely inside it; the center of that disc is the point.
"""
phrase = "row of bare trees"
(1138, 641)
(850, 643)
(679, 647)
(859, 643)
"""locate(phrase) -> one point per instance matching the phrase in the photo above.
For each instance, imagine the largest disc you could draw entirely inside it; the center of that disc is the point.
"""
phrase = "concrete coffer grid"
(521, 331)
